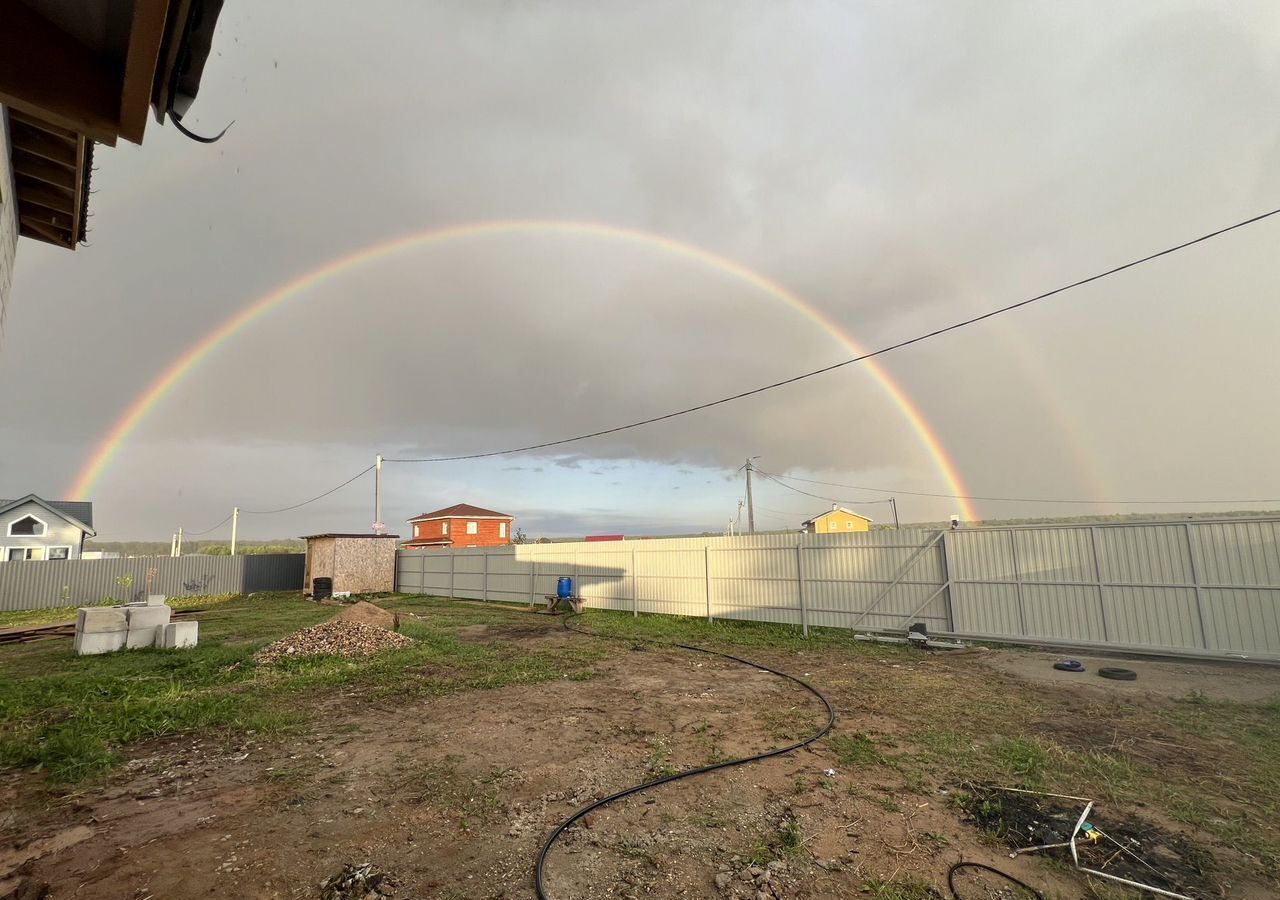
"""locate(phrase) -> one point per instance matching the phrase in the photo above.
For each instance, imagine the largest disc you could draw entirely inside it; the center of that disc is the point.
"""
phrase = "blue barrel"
(564, 587)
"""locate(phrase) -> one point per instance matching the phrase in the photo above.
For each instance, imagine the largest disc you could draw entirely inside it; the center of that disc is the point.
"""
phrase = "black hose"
(951, 873)
(688, 773)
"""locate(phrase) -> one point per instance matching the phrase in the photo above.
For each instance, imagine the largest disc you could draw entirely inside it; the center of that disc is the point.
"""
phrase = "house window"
(59, 553)
(444, 527)
(417, 531)
(27, 526)
(848, 524)
(833, 526)
(471, 528)
(502, 529)
(19, 553)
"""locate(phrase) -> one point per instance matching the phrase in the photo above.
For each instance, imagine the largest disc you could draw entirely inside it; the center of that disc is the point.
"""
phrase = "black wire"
(774, 479)
(858, 487)
(906, 343)
(688, 773)
(951, 873)
(267, 512)
(207, 530)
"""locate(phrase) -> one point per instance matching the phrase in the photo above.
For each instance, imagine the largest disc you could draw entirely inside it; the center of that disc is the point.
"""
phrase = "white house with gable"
(32, 528)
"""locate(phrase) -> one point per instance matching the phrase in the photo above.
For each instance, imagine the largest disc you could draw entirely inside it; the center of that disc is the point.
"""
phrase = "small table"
(554, 600)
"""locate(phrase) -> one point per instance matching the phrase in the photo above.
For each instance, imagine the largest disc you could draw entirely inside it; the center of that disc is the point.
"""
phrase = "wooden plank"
(57, 199)
(48, 74)
(145, 39)
(32, 166)
(17, 115)
(28, 227)
(43, 144)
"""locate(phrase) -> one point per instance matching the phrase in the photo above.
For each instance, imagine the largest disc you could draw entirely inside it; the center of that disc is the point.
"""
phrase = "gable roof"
(460, 510)
(78, 512)
(838, 509)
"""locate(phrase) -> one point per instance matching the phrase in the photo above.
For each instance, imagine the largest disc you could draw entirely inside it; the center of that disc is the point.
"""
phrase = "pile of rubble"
(337, 637)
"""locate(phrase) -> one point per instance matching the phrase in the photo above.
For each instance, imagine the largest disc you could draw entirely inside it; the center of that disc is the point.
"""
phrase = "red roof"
(459, 511)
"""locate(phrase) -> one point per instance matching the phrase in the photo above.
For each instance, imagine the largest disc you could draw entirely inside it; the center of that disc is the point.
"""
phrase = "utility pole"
(173, 544)
(377, 494)
(235, 520)
(893, 503)
(179, 552)
(751, 509)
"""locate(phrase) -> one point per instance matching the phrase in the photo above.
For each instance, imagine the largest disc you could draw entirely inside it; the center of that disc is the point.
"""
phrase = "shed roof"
(394, 537)
(459, 510)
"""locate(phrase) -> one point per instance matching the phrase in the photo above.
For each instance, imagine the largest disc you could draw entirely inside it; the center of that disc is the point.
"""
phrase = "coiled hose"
(688, 773)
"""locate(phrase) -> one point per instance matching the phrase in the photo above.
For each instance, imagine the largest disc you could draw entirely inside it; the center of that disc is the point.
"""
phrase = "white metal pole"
(179, 553)
(377, 491)
(173, 544)
(235, 521)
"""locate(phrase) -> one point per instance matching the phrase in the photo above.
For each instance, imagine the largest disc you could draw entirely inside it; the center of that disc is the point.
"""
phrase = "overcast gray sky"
(897, 165)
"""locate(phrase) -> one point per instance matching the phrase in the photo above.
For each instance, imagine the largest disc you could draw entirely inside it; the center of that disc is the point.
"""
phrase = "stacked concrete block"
(145, 625)
(100, 630)
(156, 599)
(177, 635)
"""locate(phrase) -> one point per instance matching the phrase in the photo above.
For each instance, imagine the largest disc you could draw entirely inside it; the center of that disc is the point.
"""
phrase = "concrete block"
(94, 642)
(156, 599)
(145, 625)
(92, 619)
(177, 635)
(99, 629)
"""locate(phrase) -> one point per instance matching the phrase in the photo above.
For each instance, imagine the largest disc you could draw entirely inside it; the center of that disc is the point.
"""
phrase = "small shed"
(359, 563)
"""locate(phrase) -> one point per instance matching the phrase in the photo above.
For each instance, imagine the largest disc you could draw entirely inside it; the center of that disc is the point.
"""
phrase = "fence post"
(1097, 574)
(453, 564)
(533, 578)
(484, 579)
(946, 582)
(804, 615)
(707, 575)
(635, 588)
(1017, 578)
(1195, 580)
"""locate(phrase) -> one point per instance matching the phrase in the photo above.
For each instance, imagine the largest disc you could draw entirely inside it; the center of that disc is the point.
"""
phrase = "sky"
(898, 166)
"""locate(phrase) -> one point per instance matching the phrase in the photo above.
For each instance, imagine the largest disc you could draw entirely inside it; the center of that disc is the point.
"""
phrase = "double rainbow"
(164, 383)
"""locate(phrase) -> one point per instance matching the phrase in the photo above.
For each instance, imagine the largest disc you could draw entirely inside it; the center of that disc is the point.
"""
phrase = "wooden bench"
(554, 600)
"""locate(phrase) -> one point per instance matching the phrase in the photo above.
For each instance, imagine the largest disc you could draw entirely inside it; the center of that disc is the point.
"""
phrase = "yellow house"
(837, 520)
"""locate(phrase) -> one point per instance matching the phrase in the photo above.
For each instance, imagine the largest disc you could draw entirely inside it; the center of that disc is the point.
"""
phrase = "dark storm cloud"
(897, 166)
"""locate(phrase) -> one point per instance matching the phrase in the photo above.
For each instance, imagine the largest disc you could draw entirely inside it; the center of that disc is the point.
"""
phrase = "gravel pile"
(337, 637)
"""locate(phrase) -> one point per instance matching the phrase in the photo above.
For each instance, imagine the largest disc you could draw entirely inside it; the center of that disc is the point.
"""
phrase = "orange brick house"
(460, 525)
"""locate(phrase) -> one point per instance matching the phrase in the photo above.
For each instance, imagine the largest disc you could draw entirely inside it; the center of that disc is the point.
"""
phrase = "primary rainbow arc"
(109, 446)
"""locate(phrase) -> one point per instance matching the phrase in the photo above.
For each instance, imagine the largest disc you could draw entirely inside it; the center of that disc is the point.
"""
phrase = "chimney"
(835, 506)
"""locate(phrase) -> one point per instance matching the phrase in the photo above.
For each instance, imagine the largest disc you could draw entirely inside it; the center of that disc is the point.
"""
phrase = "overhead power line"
(955, 326)
(207, 530)
(775, 480)
(859, 487)
(267, 512)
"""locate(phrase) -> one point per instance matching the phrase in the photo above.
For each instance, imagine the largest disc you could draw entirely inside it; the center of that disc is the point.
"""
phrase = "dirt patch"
(1109, 841)
(1235, 682)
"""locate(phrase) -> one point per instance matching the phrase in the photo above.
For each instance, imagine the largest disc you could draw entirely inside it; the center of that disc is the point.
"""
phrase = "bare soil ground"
(451, 796)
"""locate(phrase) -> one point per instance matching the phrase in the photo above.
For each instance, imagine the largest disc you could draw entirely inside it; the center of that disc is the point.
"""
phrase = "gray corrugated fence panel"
(81, 582)
(1242, 620)
(1244, 554)
(1153, 616)
(1055, 554)
(981, 555)
(1144, 554)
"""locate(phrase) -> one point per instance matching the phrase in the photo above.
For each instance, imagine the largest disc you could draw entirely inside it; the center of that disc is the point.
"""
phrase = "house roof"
(307, 537)
(838, 509)
(77, 512)
(425, 541)
(461, 510)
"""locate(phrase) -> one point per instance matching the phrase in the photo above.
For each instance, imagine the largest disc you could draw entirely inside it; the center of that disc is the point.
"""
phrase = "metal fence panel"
(85, 582)
(1208, 587)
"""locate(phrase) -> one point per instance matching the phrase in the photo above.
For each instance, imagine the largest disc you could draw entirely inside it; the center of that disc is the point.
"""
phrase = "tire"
(1118, 674)
(1068, 665)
